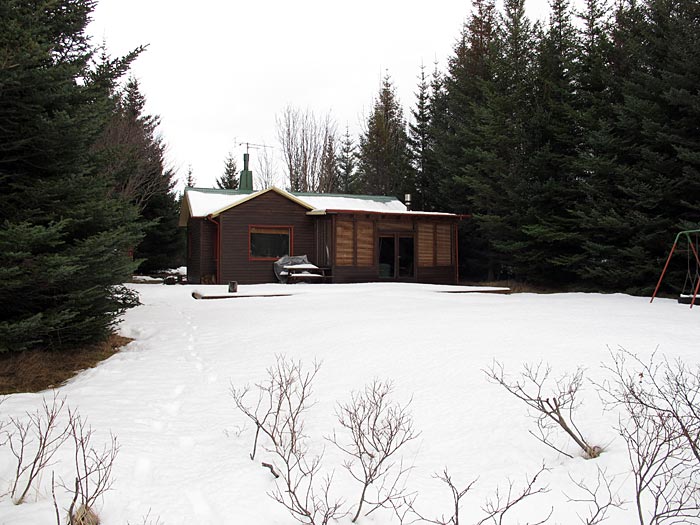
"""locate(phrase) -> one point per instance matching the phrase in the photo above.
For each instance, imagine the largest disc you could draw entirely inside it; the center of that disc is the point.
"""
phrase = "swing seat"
(688, 295)
(687, 299)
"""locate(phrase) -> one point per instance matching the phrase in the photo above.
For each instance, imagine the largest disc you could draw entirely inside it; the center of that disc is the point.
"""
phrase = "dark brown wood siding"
(324, 241)
(268, 209)
(201, 258)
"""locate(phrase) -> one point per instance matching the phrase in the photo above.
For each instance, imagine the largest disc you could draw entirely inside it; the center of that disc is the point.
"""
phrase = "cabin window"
(270, 242)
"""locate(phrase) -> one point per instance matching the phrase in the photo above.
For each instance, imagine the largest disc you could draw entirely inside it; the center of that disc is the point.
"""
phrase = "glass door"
(405, 257)
(387, 257)
(396, 256)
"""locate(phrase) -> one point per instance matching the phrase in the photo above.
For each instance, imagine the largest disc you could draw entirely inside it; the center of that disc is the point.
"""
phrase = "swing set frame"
(694, 249)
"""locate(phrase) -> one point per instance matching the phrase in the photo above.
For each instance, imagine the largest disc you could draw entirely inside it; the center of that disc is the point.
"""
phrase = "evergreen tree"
(419, 140)
(190, 181)
(64, 236)
(163, 246)
(500, 195)
(134, 155)
(384, 166)
(433, 198)
(465, 149)
(551, 249)
(329, 170)
(655, 140)
(605, 232)
(347, 182)
(130, 151)
(230, 179)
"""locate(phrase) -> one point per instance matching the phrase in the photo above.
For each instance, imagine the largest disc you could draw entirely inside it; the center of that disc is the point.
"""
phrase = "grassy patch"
(515, 286)
(37, 370)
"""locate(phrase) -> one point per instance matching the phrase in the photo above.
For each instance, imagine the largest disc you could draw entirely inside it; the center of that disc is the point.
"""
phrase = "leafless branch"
(599, 498)
(33, 442)
(551, 411)
(306, 142)
(272, 469)
(266, 173)
(494, 509)
(93, 469)
(147, 520)
(503, 502)
(378, 429)
(283, 399)
(659, 425)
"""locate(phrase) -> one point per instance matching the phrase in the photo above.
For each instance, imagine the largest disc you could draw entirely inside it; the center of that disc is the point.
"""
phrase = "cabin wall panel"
(426, 244)
(365, 243)
(443, 233)
(269, 209)
(344, 243)
(201, 257)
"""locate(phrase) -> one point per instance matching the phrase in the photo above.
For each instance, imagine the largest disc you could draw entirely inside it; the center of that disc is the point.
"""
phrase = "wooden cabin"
(237, 235)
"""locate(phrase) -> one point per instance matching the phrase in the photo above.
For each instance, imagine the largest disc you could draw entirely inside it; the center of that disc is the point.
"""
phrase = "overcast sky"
(218, 72)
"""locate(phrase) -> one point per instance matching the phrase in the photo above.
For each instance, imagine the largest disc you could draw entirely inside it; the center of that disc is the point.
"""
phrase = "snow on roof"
(371, 203)
(207, 201)
(203, 203)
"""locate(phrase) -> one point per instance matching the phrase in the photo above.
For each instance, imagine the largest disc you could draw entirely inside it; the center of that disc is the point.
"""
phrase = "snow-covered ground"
(184, 446)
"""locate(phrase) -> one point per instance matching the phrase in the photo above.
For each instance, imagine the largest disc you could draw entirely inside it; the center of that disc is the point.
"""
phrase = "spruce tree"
(655, 139)
(190, 181)
(133, 153)
(551, 250)
(433, 197)
(347, 161)
(466, 148)
(605, 232)
(64, 234)
(500, 198)
(419, 141)
(384, 166)
(230, 178)
(329, 168)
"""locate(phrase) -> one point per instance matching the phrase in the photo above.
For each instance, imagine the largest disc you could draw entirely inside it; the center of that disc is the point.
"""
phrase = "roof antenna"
(246, 182)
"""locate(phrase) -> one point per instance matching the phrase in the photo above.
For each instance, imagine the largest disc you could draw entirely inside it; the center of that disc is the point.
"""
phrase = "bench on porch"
(297, 269)
(305, 273)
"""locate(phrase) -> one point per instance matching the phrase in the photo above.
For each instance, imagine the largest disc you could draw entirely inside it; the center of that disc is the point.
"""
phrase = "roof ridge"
(383, 198)
(219, 191)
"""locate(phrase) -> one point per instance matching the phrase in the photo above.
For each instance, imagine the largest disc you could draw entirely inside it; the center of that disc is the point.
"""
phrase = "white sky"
(217, 72)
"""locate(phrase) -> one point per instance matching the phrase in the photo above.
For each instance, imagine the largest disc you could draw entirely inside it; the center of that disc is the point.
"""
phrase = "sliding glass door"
(396, 257)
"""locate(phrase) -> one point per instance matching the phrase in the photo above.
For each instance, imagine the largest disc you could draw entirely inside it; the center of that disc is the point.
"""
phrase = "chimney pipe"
(246, 183)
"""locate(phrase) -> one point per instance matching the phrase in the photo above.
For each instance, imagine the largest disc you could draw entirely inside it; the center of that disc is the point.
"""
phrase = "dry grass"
(515, 286)
(37, 370)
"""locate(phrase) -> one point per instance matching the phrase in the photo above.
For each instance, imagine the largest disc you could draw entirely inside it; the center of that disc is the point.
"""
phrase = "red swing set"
(692, 277)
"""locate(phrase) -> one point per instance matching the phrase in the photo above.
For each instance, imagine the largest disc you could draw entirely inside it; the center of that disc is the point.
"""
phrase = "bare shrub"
(283, 399)
(84, 516)
(493, 510)
(378, 428)
(148, 520)
(600, 498)
(661, 428)
(553, 402)
(93, 472)
(33, 442)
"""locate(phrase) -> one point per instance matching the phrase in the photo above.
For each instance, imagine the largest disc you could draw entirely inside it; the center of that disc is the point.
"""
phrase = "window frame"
(251, 227)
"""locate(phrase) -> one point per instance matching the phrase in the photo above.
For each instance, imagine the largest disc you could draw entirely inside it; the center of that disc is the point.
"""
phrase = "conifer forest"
(572, 145)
